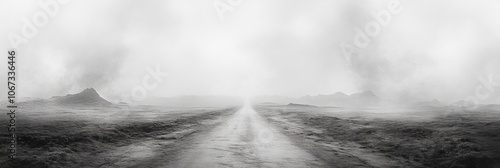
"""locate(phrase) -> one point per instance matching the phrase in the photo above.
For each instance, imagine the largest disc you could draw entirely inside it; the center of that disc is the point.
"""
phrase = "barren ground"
(104, 137)
(254, 136)
(392, 138)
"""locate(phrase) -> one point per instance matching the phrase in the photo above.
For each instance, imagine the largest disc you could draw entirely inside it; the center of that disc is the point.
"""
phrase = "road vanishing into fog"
(245, 140)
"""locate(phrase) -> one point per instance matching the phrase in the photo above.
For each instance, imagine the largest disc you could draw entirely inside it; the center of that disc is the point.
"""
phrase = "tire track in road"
(245, 140)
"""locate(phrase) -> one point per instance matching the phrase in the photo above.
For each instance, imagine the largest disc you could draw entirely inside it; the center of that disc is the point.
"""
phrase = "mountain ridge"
(338, 99)
(87, 97)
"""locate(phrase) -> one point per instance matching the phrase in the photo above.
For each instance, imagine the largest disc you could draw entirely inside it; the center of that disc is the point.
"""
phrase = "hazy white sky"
(432, 49)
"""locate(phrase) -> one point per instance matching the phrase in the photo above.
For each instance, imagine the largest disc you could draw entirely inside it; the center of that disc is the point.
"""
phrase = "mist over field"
(430, 50)
(250, 83)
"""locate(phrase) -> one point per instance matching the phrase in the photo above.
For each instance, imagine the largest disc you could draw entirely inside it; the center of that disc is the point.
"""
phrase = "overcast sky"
(432, 49)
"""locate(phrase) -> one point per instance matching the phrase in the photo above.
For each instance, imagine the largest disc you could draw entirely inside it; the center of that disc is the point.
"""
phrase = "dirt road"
(245, 140)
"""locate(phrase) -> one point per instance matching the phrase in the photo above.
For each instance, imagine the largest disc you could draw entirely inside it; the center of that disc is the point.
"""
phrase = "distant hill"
(490, 107)
(88, 97)
(339, 99)
(472, 105)
(194, 101)
(300, 105)
(272, 99)
(432, 103)
(463, 103)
